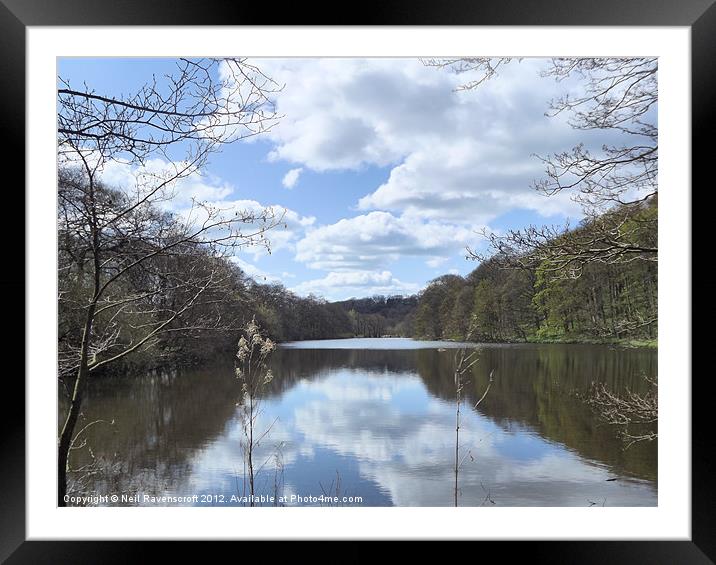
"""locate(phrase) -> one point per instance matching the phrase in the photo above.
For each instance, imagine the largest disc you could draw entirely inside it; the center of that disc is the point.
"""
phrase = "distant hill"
(379, 315)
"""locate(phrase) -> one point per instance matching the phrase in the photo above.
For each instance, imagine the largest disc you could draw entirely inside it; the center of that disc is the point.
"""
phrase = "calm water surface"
(375, 418)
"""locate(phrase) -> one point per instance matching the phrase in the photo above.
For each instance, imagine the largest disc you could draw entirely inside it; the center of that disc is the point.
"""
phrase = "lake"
(374, 420)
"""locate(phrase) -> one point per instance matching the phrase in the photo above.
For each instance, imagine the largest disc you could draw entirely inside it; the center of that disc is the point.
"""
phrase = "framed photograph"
(403, 278)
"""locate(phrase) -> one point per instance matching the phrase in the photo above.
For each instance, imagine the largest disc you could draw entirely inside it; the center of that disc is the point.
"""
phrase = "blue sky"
(385, 172)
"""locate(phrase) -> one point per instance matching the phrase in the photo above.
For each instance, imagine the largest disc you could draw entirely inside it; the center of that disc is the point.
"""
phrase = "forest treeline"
(210, 295)
(613, 300)
(168, 281)
(611, 296)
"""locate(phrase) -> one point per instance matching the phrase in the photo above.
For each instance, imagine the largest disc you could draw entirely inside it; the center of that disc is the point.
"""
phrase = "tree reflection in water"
(385, 420)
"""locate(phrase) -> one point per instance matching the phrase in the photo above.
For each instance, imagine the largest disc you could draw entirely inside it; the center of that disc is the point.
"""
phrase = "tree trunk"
(65, 441)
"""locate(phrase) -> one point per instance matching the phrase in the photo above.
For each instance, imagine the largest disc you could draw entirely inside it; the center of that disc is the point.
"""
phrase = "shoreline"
(624, 342)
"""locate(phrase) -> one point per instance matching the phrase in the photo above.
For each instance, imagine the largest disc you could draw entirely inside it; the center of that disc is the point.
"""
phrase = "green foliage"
(610, 301)
(380, 315)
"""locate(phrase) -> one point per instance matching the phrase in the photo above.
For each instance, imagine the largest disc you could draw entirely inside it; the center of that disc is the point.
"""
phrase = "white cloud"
(436, 261)
(256, 273)
(446, 184)
(291, 178)
(376, 239)
(462, 157)
(181, 198)
(332, 117)
(347, 284)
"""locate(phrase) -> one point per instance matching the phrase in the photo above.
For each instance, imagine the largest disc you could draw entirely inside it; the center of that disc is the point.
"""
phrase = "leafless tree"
(113, 241)
(204, 104)
(620, 235)
(615, 94)
(618, 94)
(483, 68)
(463, 365)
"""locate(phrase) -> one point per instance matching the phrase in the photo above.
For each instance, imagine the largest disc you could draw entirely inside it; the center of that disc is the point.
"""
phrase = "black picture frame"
(17, 15)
